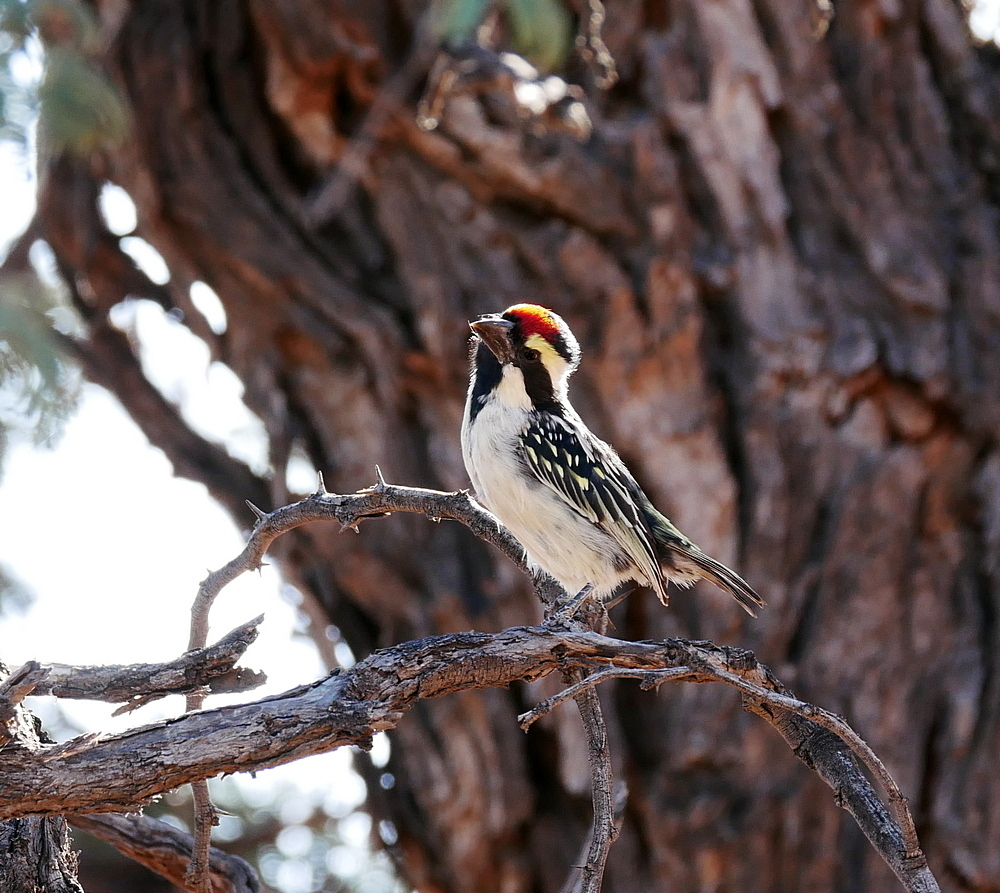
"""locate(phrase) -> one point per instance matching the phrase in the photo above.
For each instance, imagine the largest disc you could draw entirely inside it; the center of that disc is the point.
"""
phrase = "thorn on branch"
(260, 513)
(652, 682)
(388, 721)
(136, 702)
(320, 485)
(379, 487)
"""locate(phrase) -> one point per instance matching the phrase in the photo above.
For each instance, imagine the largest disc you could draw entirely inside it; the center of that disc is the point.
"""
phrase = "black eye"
(530, 354)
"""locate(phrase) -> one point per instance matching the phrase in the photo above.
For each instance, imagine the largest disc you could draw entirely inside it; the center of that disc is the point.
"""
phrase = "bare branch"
(574, 880)
(650, 679)
(604, 831)
(124, 771)
(838, 725)
(198, 876)
(165, 850)
(349, 510)
(137, 684)
(14, 689)
(764, 694)
(19, 684)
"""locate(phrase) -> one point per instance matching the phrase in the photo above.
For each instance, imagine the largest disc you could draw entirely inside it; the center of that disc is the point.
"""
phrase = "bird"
(564, 493)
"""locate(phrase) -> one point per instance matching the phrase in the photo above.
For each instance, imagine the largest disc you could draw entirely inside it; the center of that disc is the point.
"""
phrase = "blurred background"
(242, 243)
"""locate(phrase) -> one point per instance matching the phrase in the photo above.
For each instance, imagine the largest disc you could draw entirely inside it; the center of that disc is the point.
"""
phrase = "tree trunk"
(35, 854)
(779, 250)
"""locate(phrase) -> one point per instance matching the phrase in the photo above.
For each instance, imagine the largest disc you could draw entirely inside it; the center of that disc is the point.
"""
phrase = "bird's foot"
(567, 607)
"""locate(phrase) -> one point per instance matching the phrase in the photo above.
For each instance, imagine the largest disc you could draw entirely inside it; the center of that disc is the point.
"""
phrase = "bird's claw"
(568, 607)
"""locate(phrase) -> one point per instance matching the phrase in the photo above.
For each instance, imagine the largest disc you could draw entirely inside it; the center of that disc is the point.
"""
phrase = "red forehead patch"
(534, 320)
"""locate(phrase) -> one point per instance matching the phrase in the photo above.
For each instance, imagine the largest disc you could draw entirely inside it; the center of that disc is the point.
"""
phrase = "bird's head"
(535, 341)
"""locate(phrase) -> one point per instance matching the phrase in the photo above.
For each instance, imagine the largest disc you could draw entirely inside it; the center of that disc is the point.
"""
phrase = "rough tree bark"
(780, 252)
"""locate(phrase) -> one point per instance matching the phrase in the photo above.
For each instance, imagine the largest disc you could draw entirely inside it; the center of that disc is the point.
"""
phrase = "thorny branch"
(348, 707)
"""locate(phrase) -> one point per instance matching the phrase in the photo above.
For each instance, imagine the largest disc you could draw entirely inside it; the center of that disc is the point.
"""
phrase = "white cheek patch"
(511, 391)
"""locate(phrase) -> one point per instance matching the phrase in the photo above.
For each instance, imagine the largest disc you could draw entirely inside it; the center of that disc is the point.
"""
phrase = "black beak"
(495, 334)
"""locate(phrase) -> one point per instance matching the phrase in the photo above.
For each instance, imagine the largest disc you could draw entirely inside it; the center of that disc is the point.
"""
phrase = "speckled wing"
(596, 483)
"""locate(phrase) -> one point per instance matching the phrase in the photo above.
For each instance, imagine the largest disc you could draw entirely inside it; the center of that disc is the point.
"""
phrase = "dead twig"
(198, 876)
(133, 685)
(14, 689)
(650, 679)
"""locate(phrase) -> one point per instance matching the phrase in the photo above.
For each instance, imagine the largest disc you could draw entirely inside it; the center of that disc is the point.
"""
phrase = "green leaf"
(456, 21)
(543, 31)
(79, 108)
(38, 387)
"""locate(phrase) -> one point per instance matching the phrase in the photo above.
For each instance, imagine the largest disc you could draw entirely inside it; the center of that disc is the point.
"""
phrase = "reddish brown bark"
(781, 256)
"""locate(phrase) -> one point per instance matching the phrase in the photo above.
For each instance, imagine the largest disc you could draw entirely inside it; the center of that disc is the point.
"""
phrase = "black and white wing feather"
(591, 478)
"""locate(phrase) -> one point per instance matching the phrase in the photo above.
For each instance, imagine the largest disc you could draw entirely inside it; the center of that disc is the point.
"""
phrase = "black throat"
(486, 377)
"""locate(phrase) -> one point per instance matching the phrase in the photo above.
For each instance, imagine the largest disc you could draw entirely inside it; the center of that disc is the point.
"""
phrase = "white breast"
(556, 537)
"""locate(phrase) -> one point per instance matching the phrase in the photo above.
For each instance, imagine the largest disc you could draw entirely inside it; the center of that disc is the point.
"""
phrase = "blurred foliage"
(46, 75)
(38, 387)
(77, 107)
(541, 30)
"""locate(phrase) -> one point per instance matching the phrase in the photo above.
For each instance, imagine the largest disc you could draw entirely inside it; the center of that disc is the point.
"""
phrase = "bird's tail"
(722, 576)
(677, 551)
